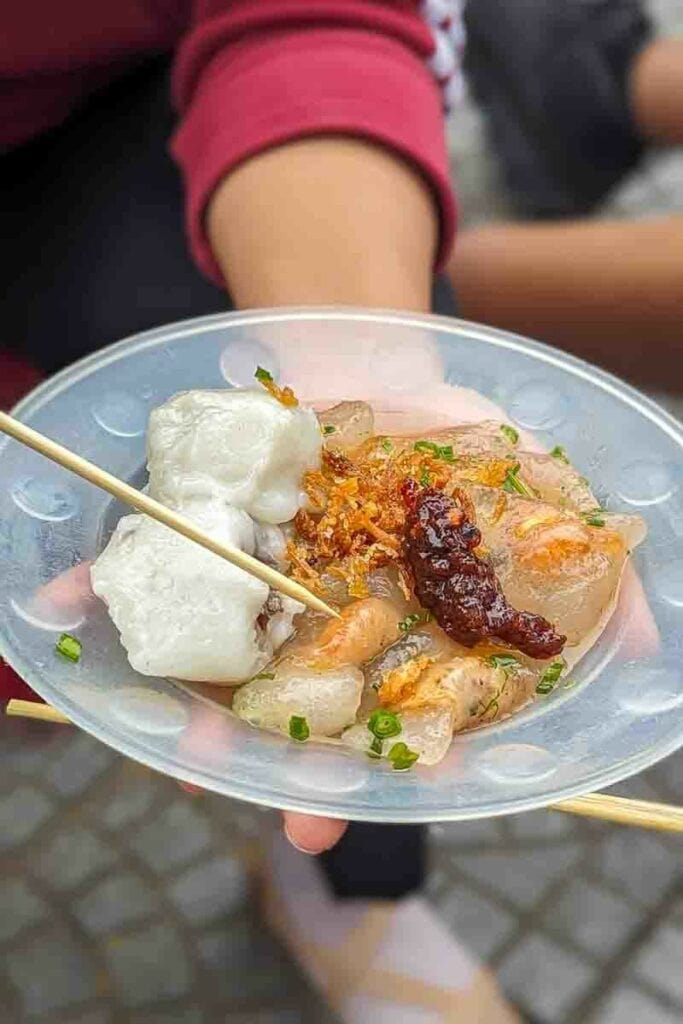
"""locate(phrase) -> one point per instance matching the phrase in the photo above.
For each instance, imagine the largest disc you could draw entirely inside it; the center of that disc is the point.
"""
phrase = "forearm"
(608, 291)
(325, 220)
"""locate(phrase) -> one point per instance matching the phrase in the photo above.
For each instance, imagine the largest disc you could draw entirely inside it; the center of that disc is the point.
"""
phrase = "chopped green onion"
(298, 728)
(383, 724)
(329, 429)
(546, 683)
(69, 646)
(264, 376)
(514, 485)
(375, 748)
(425, 479)
(554, 671)
(493, 705)
(405, 625)
(263, 675)
(402, 757)
(444, 452)
(596, 517)
(414, 619)
(504, 661)
(510, 432)
(568, 683)
(387, 445)
(426, 446)
(560, 454)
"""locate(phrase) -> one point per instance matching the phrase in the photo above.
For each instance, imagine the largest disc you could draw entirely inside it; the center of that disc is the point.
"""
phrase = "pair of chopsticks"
(640, 813)
(595, 805)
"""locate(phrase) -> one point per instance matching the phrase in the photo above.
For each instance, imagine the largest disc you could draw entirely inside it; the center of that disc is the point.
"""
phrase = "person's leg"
(377, 861)
(611, 292)
(92, 216)
(376, 961)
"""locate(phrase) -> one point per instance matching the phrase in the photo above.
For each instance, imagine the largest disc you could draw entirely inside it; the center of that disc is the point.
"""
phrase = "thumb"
(310, 834)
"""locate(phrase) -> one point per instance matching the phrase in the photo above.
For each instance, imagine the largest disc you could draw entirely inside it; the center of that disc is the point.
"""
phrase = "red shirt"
(248, 74)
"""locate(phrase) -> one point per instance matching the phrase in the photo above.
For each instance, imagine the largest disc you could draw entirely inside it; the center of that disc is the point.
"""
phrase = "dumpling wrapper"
(550, 561)
(327, 699)
(429, 733)
(241, 445)
(347, 424)
(271, 545)
(182, 611)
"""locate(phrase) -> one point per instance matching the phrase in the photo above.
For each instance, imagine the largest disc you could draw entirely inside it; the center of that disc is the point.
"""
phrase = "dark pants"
(95, 251)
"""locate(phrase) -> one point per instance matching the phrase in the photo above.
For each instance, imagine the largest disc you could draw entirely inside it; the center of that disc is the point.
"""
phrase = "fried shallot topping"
(357, 516)
(458, 587)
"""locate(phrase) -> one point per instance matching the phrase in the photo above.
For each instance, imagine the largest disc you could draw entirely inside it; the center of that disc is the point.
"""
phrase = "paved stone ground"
(123, 901)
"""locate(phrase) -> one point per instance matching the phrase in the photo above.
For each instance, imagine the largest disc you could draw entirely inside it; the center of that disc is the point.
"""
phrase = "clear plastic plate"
(625, 709)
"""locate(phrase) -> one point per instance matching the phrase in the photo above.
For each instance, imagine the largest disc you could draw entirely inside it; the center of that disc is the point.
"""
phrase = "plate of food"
(496, 524)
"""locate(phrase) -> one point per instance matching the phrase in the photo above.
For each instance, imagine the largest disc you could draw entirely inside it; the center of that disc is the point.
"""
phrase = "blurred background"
(125, 901)
(653, 189)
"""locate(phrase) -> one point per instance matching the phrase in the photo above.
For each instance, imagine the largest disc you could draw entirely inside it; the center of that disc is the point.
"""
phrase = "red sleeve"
(252, 74)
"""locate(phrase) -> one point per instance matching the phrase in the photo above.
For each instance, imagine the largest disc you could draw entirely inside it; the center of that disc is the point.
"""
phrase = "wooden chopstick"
(33, 709)
(643, 813)
(639, 813)
(143, 503)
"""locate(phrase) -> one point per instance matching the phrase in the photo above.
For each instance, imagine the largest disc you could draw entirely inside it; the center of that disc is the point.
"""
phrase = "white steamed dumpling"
(241, 445)
(183, 611)
(271, 545)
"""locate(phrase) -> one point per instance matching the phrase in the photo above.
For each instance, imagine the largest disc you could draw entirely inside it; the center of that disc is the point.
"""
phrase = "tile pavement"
(100, 924)
(597, 936)
(122, 901)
